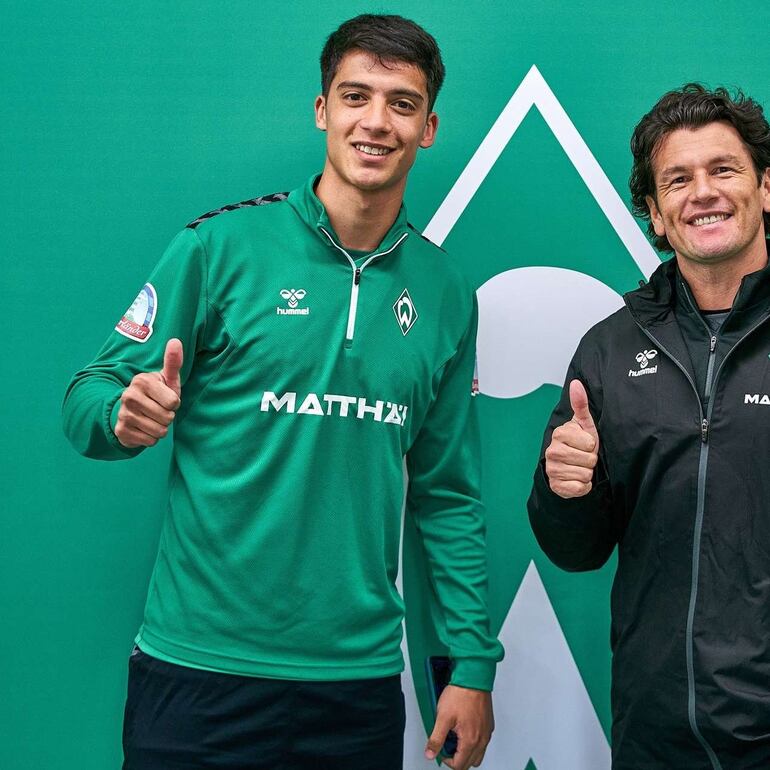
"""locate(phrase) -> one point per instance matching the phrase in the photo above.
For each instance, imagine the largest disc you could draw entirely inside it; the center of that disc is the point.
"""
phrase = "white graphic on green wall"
(544, 715)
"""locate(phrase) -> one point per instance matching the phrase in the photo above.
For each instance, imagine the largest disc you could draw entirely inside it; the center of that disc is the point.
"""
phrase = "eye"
(723, 170)
(353, 97)
(404, 105)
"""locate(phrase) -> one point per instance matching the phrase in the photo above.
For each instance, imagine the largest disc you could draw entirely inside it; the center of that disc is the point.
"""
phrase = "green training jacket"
(309, 373)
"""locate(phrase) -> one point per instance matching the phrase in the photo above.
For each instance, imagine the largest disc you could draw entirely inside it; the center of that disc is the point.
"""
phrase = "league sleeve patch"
(137, 321)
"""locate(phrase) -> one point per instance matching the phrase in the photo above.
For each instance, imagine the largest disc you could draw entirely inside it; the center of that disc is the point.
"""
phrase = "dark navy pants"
(180, 718)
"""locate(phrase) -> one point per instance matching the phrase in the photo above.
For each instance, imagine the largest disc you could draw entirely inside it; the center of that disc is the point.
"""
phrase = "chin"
(713, 256)
(373, 185)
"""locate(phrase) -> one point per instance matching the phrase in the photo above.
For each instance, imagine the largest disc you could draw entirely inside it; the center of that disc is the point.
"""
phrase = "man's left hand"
(469, 713)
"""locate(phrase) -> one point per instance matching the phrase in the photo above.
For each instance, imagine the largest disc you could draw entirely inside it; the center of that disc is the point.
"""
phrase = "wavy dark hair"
(390, 39)
(694, 106)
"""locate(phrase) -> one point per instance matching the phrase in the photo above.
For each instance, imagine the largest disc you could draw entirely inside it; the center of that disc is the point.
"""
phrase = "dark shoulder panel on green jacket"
(262, 200)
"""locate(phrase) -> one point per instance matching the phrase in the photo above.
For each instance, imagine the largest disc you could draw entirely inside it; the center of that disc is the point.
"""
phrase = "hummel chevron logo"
(293, 297)
(643, 359)
(405, 312)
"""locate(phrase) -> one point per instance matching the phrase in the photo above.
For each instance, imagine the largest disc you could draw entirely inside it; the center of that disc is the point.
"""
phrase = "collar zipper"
(357, 271)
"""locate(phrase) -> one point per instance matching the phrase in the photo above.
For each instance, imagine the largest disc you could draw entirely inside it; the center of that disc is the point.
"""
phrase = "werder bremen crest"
(405, 312)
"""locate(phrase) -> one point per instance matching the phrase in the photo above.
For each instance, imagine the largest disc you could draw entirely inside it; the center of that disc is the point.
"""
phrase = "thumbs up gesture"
(149, 403)
(574, 449)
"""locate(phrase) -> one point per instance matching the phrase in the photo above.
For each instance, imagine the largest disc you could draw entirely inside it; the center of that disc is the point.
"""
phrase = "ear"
(429, 133)
(320, 112)
(765, 185)
(655, 216)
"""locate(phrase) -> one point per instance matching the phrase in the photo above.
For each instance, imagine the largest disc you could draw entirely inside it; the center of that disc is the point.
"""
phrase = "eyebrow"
(727, 158)
(416, 95)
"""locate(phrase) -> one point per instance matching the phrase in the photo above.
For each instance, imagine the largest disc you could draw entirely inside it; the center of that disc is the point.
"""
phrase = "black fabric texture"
(184, 718)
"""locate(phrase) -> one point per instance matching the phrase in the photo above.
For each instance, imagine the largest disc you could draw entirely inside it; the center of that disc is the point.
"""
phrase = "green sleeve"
(178, 287)
(443, 497)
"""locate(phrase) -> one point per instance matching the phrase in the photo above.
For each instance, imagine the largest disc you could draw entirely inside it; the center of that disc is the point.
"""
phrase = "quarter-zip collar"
(665, 308)
(653, 302)
(310, 209)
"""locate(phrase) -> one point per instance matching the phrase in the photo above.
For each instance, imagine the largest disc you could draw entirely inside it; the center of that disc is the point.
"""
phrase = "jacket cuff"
(474, 673)
(111, 414)
(574, 513)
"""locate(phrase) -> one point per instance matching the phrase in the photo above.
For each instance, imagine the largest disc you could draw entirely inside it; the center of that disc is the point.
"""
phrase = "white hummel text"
(643, 359)
(293, 297)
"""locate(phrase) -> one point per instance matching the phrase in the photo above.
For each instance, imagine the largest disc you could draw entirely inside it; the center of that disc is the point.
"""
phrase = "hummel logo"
(405, 312)
(644, 356)
(293, 297)
(643, 359)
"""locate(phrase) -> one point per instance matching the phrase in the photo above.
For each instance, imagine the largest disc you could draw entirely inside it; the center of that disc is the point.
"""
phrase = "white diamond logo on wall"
(535, 92)
(578, 300)
(543, 710)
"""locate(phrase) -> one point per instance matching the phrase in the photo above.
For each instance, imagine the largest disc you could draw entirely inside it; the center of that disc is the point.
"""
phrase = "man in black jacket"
(661, 444)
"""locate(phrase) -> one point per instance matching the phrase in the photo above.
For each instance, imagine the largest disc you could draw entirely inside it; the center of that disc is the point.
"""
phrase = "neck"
(714, 286)
(361, 218)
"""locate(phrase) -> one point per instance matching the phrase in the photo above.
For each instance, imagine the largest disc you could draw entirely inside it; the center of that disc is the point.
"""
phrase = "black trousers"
(180, 718)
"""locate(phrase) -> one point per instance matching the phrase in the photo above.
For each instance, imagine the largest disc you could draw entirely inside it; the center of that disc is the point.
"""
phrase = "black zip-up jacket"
(683, 489)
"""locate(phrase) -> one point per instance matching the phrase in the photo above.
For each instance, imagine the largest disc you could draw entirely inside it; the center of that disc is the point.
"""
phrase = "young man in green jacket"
(302, 344)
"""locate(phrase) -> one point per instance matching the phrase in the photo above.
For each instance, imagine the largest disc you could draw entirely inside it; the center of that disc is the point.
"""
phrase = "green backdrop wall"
(122, 122)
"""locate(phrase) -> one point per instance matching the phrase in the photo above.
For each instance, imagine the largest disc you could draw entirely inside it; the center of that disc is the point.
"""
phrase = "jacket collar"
(312, 212)
(653, 301)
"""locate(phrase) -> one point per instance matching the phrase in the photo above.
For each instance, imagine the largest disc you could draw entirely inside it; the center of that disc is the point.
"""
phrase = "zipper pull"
(713, 344)
(704, 430)
(357, 276)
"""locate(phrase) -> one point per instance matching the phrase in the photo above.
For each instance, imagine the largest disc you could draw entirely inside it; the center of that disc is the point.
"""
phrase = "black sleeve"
(580, 533)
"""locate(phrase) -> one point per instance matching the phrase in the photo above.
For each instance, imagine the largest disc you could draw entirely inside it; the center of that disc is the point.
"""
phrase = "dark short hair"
(693, 106)
(389, 39)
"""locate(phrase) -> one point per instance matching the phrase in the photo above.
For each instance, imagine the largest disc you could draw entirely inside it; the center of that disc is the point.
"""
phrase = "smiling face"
(375, 118)
(708, 203)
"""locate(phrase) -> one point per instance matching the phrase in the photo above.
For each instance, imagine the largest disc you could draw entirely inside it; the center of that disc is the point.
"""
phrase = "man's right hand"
(574, 449)
(149, 403)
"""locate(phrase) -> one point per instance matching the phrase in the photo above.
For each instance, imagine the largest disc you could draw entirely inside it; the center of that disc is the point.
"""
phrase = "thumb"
(578, 400)
(172, 364)
(437, 737)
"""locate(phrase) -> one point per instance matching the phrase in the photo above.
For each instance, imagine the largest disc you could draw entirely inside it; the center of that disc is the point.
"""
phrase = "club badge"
(137, 321)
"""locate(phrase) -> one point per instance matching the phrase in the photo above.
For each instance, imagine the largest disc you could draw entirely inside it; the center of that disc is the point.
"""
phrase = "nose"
(376, 117)
(703, 187)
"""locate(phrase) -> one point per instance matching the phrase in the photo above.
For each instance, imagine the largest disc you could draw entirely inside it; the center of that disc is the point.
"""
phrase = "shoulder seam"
(427, 240)
(206, 287)
(262, 200)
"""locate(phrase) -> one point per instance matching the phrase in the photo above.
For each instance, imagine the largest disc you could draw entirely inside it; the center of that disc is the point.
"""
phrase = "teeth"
(710, 220)
(369, 150)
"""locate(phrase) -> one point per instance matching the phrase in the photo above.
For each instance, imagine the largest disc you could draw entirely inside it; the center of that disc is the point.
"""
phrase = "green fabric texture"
(279, 550)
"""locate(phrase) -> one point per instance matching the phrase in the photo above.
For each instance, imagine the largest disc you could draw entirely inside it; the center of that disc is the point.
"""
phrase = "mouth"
(373, 149)
(708, 219)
